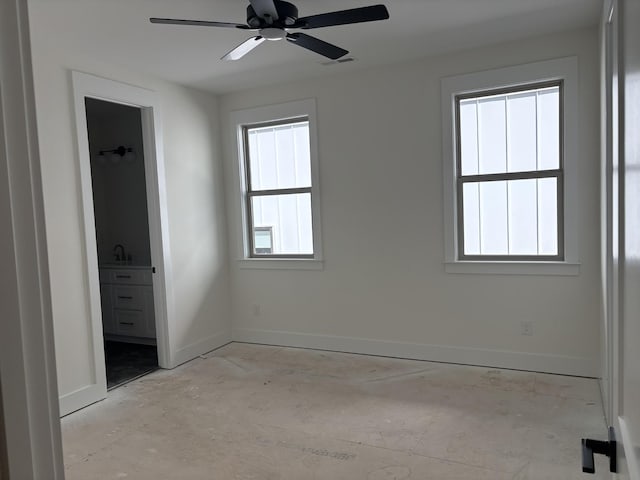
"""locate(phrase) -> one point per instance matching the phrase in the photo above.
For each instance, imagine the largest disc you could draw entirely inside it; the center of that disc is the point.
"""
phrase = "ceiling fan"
(273, 19)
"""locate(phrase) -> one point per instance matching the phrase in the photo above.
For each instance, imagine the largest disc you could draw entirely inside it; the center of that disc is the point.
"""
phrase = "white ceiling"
(118, 32)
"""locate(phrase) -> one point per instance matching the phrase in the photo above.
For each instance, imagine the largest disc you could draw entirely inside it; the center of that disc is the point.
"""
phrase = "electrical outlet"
(255, 309)
(526, 328)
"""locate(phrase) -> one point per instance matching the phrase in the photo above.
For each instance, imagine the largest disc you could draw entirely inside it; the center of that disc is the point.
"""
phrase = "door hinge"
(601, 447)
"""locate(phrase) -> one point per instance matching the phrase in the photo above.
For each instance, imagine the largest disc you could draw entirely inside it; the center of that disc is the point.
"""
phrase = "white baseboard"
(83, 397)
(200, 347)
(70, 402)
(558, 364)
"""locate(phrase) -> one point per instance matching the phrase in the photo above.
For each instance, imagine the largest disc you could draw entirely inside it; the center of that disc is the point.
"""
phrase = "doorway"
(128, 303)
(116, 152)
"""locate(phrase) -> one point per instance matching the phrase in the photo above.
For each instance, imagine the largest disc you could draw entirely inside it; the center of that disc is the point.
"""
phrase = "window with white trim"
(278, 186)
(278, 189)
(509, 173)
(509, 169)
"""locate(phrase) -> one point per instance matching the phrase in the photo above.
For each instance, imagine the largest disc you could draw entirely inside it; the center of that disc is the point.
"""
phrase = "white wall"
(383, 288)
(194, 197)
(119, 189)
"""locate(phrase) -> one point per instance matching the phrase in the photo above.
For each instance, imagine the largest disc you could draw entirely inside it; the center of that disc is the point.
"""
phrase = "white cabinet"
(127, 302)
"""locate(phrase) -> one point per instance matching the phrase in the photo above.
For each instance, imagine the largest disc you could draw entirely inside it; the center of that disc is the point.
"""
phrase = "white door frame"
(85, 85)
(32, 444)
(619, 267)
(627, 352)
(609, 196)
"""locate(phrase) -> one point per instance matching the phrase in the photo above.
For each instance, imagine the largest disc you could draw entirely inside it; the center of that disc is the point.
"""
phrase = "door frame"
(31, 445)
(616, 262)
(610, 203)
(91, 86)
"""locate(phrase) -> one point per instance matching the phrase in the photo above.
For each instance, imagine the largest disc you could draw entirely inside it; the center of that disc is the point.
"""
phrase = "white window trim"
(565, 69)
(284, 111)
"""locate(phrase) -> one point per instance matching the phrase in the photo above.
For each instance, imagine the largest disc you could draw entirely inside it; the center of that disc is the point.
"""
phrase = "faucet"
(121, 255)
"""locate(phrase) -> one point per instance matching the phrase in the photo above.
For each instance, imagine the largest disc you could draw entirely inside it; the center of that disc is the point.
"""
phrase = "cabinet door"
(106, 302)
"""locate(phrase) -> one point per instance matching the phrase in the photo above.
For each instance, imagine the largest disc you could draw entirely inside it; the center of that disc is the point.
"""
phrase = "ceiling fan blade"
(199, 23)
(265, 9)
(244, 48)
(316, 45)
(344, 17)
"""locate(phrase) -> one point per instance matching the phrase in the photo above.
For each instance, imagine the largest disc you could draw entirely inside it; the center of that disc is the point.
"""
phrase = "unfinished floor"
(258, 412)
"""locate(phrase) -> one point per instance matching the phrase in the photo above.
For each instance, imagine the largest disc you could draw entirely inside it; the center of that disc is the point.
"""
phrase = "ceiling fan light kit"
(273, 19)
(271, 33)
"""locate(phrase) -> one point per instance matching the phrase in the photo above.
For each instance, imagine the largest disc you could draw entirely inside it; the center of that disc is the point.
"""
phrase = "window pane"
(302, 155)
(289, 219)
(521, 114)
(469, 137)
(471, 214)
(492, 141)
(279, 156)
(548, 216)
(513, 132)
(493, 218)
(515, 217)
(262, 159)
(523, 228)
(549, 129)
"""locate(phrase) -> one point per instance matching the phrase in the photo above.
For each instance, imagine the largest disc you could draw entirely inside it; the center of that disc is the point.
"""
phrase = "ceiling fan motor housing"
(287, 16)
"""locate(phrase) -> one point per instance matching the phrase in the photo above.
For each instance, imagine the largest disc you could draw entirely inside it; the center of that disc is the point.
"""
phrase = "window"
(509, 173)
(278, 169)
(279, 196)
(509, 169)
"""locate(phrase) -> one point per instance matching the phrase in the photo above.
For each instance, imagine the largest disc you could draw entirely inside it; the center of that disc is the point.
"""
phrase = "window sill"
(513, 268)
(280, 264)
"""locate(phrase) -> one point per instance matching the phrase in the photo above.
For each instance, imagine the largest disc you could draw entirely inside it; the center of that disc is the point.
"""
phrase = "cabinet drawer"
(130, 322)
(131, 298)
(129, 277)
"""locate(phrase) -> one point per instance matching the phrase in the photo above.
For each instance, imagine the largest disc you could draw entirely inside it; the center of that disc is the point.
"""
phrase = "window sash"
(558, 174)
(247, 159)
(251, 193)
(250, 227)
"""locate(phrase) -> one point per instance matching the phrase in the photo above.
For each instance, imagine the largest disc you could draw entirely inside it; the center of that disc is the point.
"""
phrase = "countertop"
(120, 266)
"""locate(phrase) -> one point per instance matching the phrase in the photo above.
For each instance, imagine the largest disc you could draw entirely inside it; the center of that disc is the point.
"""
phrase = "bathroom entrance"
(118, 180)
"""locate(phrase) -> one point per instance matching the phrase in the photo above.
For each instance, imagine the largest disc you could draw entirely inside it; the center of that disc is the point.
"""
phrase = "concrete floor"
(257, 412)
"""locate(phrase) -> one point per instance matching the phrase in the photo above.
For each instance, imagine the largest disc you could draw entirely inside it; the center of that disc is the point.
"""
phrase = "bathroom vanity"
(127, 303)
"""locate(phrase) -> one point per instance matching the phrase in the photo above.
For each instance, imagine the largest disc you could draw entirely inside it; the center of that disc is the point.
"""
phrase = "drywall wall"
(383, 288)
(201, 319)
(119, 188)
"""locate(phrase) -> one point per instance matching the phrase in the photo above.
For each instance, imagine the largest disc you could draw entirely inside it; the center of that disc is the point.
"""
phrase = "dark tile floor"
(127, 361)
